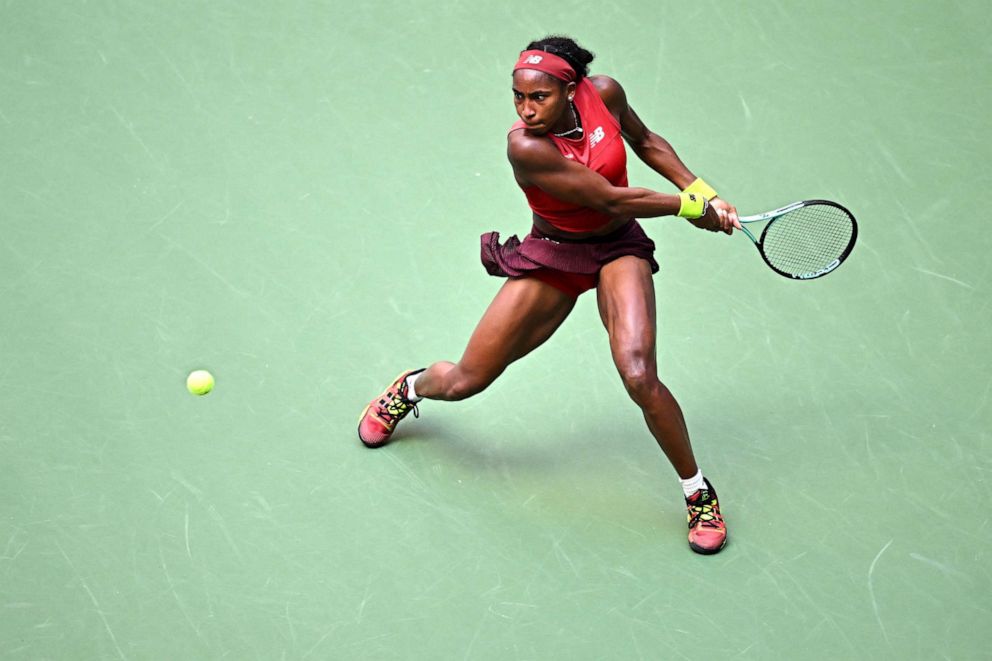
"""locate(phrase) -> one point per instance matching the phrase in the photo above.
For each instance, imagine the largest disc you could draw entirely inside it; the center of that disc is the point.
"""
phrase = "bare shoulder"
(611, 92)
(527, 151)
(605, 84)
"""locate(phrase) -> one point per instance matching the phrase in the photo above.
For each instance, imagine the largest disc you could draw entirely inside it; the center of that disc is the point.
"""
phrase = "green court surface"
(290, 194)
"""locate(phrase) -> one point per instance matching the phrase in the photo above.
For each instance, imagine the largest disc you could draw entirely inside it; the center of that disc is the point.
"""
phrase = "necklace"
(575, 118)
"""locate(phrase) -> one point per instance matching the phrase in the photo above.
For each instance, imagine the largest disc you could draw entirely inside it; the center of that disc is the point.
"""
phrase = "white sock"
(411, 393)
(693, 484)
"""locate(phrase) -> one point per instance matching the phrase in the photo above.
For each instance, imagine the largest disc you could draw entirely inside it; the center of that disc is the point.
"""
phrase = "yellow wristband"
(701, 187)
(692, 205)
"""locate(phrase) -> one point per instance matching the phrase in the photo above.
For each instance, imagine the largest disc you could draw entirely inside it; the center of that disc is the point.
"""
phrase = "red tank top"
(600, 149)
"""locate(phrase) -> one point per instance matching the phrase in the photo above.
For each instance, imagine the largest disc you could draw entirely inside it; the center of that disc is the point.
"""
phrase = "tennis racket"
(805, 240)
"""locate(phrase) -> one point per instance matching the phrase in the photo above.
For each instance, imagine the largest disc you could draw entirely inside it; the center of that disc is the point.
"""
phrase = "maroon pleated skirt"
(537, 251)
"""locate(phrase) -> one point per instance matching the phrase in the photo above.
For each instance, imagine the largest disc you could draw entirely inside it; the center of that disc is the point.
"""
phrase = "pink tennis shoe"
(707, 530)
(380, 417)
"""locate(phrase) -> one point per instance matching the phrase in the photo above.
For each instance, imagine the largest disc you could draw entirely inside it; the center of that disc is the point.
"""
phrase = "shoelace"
(396, 407)
(706, 512)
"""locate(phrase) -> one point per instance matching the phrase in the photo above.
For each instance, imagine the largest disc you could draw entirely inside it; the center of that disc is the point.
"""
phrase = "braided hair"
(565, 48)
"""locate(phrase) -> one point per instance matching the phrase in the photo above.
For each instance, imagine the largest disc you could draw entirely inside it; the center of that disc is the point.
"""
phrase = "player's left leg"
(627, 307)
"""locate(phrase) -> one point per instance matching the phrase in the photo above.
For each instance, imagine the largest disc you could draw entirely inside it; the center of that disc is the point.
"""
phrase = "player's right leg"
(524, 313)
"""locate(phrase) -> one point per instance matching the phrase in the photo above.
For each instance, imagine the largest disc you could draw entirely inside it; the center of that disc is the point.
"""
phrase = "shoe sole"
(705, 551)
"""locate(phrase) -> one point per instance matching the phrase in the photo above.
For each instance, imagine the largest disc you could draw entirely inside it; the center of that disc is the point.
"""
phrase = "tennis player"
(568, 156)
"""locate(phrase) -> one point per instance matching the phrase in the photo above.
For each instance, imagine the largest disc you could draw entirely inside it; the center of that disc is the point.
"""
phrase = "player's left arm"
(650, 147)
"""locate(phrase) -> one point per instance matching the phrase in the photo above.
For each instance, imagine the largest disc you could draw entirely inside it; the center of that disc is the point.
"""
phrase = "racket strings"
(808, 240)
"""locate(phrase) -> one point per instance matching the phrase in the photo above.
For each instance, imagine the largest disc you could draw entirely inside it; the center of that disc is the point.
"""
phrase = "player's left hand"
(727, 213)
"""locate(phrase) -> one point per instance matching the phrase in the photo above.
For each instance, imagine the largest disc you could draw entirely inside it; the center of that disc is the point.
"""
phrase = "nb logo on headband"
(533, 59)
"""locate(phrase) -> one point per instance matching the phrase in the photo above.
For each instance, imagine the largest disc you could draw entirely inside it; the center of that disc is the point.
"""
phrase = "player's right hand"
(719, 217)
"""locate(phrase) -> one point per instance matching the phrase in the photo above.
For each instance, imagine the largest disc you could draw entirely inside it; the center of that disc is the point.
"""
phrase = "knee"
(640, 377)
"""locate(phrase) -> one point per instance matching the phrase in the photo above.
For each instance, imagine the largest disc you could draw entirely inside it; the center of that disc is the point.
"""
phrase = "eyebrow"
(516, 91)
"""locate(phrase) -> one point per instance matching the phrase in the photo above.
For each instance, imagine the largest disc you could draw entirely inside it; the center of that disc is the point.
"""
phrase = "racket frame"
(771, 216)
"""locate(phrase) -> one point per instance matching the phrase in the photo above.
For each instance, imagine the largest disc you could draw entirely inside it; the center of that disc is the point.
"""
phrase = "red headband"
(548, 63)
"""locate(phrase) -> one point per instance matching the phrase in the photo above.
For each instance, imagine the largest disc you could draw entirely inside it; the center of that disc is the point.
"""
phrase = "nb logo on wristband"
(533, 59)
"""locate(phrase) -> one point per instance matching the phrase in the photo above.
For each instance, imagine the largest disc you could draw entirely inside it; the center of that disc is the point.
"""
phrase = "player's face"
(541, 100)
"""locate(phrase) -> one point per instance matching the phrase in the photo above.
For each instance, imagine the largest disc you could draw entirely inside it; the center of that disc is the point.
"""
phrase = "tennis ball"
(200, 382)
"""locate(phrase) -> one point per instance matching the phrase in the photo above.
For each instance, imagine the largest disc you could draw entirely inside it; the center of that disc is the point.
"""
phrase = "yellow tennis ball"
(200, 382)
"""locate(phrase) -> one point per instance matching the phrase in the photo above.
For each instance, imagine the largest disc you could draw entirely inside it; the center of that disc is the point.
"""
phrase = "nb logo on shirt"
(596, 136)
(534, 59)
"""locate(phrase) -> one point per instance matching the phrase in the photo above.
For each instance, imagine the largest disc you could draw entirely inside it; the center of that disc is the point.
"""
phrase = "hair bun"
(565, 47)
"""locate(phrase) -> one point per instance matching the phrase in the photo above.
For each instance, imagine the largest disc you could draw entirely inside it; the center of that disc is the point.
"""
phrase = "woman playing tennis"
(568, 156)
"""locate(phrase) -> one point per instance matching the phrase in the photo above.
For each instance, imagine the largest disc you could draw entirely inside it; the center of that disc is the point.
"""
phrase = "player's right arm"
(536, 162)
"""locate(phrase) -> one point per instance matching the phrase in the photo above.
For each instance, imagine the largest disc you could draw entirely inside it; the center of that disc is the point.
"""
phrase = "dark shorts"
(571, 266)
